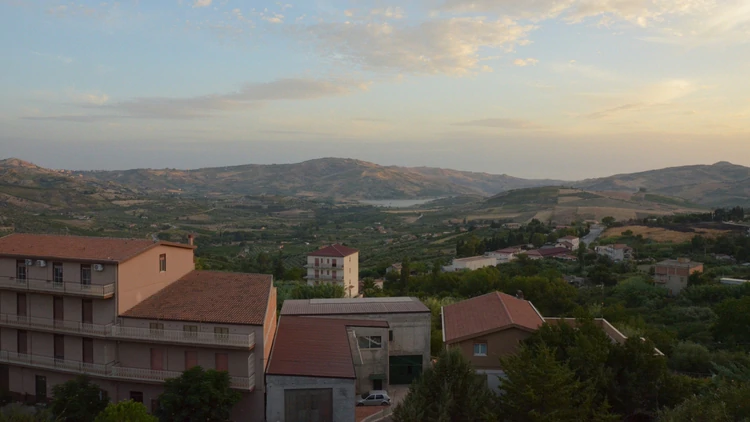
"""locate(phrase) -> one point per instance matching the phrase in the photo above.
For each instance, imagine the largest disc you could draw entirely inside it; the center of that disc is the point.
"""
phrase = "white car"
(375, 398)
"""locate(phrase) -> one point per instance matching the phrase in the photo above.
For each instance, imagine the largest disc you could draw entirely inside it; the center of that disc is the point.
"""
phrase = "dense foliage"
(125, 411)
(78, 400)
(197, 395)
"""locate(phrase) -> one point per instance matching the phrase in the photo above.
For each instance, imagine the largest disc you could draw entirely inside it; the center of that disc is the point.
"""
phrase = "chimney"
(190, 239)
(519, 294)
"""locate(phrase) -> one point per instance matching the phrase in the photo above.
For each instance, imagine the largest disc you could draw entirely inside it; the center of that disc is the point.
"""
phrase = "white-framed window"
(162, 262)
(480, 349)
(370, 342)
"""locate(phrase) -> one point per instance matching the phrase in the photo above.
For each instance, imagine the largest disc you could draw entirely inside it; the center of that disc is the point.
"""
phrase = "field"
(659, 234)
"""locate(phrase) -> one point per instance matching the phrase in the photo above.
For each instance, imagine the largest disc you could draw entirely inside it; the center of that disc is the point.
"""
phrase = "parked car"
(375, 398)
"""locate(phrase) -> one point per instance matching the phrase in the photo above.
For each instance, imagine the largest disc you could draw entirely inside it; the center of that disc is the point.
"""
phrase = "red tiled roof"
(569, 237)
(314, 347)
(487, 313)
(334, 250)
(210, 296)
(508, 250)
(545, 252)
(82, 248)
(352, 306)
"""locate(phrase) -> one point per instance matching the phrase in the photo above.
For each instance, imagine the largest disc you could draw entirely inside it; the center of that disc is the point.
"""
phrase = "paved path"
(594, 233)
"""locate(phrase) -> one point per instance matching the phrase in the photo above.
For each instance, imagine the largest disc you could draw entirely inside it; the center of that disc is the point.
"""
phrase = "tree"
(538, 239)
(539, 388)
(278, 267)
(608, 221)
(197, 395)
(449, 391)
(727, 402)
(78, 400)
(733, 320)
(264, 262)
(125, 411)
(404, 275)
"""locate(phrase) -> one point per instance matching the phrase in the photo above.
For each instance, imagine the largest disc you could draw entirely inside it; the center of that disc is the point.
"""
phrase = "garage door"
(309, 405)
(405, 369)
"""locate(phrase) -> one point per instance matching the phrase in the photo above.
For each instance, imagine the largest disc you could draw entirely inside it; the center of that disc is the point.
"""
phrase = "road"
(594, 233)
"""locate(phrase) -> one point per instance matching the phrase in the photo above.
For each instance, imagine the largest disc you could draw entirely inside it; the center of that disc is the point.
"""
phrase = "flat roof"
(472, 258)
(676, 263)
(366, 305)
(315, 347)
(209, 296)
(78, 248)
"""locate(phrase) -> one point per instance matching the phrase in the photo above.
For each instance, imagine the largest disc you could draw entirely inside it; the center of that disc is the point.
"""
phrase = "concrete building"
(571, 242)
(733, 281)
(394, 268)
(550, 252)
(334, 264)
(504, 256)
(319, 366)
(130, 314)
(470, 263)
(673, 274)
(408, 318)
(617, 252)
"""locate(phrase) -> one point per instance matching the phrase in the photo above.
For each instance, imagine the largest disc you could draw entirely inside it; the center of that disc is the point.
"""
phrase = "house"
(129, 314)
(512, 226)
(571, 242)
(673, 274)
(394, 268)
(488, 327)
(550, 252)
(617, 252)
(334, 264)
(733, 281)
(318, 366)
(503, 256)
(408, 337)
(470, 263)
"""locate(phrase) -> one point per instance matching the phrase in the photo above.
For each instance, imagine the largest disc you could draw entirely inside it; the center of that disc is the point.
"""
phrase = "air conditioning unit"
(42, 263)
(29, 262)
(98, 267)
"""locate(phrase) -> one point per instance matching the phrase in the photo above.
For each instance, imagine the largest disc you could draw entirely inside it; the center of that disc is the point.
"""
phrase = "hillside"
(24, 185)
(720, 184)
(321, 178)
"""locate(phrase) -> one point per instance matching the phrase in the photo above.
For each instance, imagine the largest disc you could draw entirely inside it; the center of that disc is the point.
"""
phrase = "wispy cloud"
(525, 62)
(57, 57)
(201, 3)
(614, 110)
(500, 123)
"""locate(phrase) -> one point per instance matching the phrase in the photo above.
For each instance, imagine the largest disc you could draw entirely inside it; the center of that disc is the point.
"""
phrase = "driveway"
(380, 414)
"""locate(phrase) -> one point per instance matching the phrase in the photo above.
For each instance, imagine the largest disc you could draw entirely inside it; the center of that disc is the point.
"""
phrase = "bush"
(125, 411)
(78, 400)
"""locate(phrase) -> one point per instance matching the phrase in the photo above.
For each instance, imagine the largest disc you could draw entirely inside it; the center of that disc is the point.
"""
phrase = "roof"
(473, 258)
(210, 296)
(545, 252)
(621, 246)
(366, 305)
(566, 243)
(507, 250)
(677, 263)
(334, 250)
(569, 237)
(80, 248)
(314, 347)
(488, 313)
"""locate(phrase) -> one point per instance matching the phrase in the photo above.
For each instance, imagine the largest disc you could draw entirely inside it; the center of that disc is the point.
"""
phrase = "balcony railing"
(110, 370)
(324, 265)
(177, 336)
(324, 277)
(94, 290)
(54, 324)
(134, 333)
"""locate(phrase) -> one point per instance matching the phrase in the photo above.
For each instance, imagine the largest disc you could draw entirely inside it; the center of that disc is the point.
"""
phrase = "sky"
(535, 88)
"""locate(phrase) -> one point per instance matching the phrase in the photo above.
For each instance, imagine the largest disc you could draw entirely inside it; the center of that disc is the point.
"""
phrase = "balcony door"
(87, 311)
(88, 350)
(317, 262)
(157, 359)
(57, 309)
(59, 347)
(21, 304)
(222, 362)
(191, 359)
(22, 342)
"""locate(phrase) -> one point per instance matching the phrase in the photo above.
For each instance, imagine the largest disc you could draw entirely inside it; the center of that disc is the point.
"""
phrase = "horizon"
(365, 161)
(545, 89)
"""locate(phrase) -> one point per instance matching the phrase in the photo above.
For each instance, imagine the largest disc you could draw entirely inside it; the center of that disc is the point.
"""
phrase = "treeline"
(536, 233)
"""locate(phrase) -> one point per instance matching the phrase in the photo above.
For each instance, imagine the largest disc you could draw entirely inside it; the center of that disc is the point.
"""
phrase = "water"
(395, 203)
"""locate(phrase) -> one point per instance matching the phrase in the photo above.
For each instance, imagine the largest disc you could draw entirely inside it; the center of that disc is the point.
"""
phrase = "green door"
(405, 369)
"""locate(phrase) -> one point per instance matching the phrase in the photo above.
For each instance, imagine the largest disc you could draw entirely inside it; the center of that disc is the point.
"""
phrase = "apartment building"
(130, 314)
(673, 274)
(334, 264)
(470, 263)
(617, 252)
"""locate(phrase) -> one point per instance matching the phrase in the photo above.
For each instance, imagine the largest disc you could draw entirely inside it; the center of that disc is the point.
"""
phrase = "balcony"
(101, 291)
(111, 370)
(187, 337)
(118, 332)
(325, 266)
(324, 277)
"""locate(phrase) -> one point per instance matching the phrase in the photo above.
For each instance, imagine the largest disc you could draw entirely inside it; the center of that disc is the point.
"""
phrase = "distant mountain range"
(721, 184)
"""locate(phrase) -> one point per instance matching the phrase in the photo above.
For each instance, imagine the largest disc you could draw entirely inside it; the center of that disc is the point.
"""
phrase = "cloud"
(444, 46)
(500, 123)
(390, 12)
(274, 18)
(58, 57)
(614, 110)
(525, 62)
(201, 3)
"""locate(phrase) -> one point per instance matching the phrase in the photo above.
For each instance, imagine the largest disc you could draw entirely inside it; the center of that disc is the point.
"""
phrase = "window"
(41, 388)
(153, 326)
(163, 262)
(87, 311)
(136, 396)
(21, 342)
(191, 359)
(21, 304)
(390, 338)
(57, 272)
(157, 359)
(86, 274)
(333, 263)
(480, 349)
(221, 332)
(370, 342)
(190, 330)
(88, 350)
(58, 310)
(21, 270)
(222, 362)
(59, 346)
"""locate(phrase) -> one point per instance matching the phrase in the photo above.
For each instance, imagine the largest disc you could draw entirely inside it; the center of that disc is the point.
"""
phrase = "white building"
(733, 281)
(503, 256)
(617, 252)
(471, 263)
(334, 264)
(570, 242)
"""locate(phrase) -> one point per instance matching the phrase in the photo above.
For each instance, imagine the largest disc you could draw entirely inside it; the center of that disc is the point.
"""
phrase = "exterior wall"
(499, 344)
(473, 264)
(373, 361)
(344, 397)
(269, 328)
(71, 271)
(494, 378)
(139, 277)
(347, 272)
(138, 355)
(675, 277)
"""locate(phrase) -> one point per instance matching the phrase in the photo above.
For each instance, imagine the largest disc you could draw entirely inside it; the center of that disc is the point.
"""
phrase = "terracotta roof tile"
(314, 347)
(366, 305)
(76, 247)
(334, 250)
(210, 296)
(486, 313)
